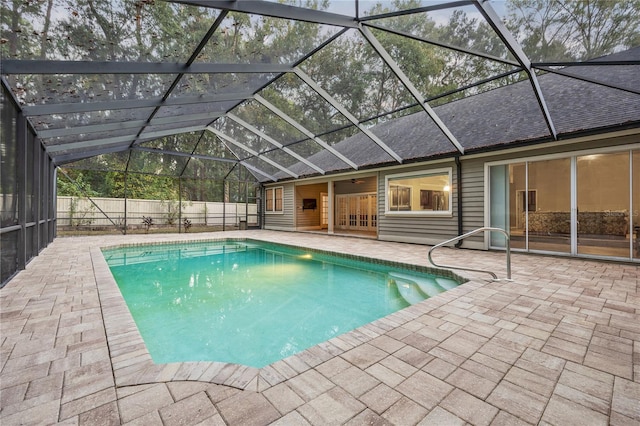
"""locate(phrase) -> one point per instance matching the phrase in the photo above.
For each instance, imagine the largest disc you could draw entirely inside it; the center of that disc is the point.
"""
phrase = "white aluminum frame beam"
(257, 170)
(445, 45)
(382, 52)
(256, 154)
(194, 55)
(303, 129)
(120, 139)
(53, 149)
(273, 142)
(93, 128)
(422, 9)
(184, 154)
(121, 125)
(337, 105)
(277, 10)
(31, 110)
(514, 47)
(81, 155)
(19, 66)
(569, 74)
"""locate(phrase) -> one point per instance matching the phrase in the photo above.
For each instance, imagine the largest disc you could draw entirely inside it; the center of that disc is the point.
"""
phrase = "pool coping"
(132, 364)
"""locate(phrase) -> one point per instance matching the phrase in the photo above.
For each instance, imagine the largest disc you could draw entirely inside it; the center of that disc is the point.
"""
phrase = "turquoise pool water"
(254, 303)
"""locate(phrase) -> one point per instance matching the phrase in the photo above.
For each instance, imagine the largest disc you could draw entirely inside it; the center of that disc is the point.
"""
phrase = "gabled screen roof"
(295, 88)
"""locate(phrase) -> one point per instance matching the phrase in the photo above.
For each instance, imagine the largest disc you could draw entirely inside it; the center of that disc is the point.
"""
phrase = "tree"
(461, 69)
(75, 184)
(574, 30)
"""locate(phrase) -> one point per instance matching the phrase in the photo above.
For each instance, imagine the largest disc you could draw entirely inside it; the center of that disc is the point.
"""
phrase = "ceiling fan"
(357, 181)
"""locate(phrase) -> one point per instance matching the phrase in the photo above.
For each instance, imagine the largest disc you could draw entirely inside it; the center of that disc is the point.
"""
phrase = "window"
(419, 193)
(399, 198)
(273, 200)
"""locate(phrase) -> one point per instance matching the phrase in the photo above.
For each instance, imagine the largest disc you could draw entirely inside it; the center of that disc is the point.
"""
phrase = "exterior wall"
(286, 220)
(473, 199)
(421, 230)
(435, 229)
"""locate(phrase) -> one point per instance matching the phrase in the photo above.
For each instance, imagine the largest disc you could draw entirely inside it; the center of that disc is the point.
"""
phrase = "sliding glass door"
(581, 205)
(635, 204)
(549, 217)
(603, 204)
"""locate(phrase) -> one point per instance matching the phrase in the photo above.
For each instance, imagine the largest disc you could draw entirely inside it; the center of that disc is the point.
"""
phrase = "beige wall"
(552, 181)
(309, 218)
(361, 185)
(603, 182)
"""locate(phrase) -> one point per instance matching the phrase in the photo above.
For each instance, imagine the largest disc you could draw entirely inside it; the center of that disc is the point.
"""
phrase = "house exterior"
(577, 194)
(551, 156)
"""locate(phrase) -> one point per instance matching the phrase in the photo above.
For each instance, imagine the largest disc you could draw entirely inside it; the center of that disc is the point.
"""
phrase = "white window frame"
(419, 174)
(273, 210)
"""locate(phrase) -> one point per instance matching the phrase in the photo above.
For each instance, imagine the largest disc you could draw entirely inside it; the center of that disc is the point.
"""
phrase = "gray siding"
(286, 220)
(428, 230)
(422, 230)
(473, 199)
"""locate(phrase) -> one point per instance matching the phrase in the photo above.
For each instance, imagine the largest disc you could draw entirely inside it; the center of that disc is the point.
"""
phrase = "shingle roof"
(301, 76)
(504, 116)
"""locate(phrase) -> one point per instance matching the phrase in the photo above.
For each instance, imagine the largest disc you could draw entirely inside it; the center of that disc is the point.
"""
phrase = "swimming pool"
(253, 303)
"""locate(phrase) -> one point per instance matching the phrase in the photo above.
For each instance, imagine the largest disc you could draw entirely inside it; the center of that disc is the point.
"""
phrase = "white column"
(331, 208)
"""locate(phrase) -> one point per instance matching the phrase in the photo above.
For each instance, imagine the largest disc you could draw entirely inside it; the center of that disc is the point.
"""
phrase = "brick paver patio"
(559, 345)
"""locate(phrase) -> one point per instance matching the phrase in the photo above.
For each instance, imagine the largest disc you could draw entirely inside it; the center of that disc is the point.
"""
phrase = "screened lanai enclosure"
(206, 99)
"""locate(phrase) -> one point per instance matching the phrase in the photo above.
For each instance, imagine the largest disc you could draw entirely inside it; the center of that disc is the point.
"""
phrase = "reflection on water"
(240, 303)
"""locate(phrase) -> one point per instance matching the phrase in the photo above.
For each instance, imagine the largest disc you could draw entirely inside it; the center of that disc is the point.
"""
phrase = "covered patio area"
(560, 344)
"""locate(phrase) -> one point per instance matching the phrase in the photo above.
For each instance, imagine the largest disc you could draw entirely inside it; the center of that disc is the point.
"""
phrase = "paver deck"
(559, 345)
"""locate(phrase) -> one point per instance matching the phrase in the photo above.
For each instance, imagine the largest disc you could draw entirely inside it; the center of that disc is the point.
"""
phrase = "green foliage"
(173, 211)
(142, 186)
(574, 30)
(20, 38)
(348, 69)
(80, 187)
(77, 215)
(147, 221)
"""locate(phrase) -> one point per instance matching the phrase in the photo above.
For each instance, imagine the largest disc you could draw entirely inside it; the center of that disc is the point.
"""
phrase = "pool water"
(254, 303)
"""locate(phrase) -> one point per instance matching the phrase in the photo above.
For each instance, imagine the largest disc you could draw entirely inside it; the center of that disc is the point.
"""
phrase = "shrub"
(147, 222)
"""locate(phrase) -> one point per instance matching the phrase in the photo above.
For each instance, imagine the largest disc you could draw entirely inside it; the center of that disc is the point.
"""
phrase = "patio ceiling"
(259, 83)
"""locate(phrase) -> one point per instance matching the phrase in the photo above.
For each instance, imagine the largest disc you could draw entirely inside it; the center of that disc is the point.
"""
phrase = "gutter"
(459, 193)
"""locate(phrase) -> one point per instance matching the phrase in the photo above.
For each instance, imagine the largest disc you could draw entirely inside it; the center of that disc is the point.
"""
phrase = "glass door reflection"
(548, 205)
(635, 207)
(603, 190)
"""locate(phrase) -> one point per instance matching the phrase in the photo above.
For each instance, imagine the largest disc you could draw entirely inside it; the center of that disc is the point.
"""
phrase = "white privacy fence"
(76, 211)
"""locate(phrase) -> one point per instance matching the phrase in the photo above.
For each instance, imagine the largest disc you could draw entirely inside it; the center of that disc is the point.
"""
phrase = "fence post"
(224, 205)
(179, 204)
(246, 203)
(125, 202)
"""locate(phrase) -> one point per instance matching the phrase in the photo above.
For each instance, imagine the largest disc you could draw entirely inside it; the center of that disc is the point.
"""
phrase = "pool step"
(428, 285)
(414, 289)
(447, 283)
(410, 292)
